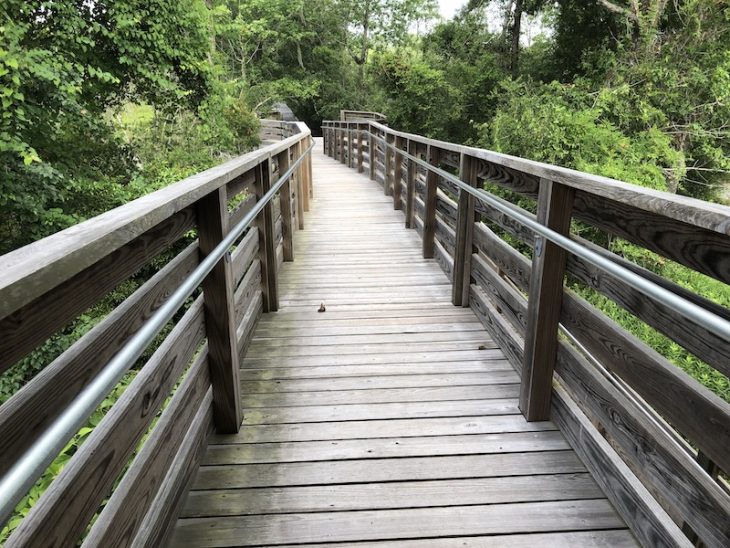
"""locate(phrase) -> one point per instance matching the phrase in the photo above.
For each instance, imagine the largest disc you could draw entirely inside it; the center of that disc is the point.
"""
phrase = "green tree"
(62, 66)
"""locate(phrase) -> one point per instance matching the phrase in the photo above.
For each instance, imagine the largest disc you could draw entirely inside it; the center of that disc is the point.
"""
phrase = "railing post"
(360, 146)
(410, 184)
(335, 142)
(301, 188)
(388, 164)
(286, 210)
(350, 146)
(306, 170)
(397, 174)
(554, 210)
(267, 239)
(429, 215)
(343, 144)
(220, 316)
(325, 140)
(371, 153)
(464, 233)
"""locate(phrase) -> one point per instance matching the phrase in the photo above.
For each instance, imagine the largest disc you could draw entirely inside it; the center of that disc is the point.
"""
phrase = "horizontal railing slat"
(29, 326)
(160, 520)
(37, 404)
(118, 523)
(63, 512)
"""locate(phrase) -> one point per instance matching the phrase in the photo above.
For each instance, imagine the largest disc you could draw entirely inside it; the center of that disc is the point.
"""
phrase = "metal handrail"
(710, 321)
(26, 471)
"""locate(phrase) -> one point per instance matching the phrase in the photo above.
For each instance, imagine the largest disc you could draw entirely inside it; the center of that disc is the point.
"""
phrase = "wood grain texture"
(32, 408)
(695, 411)
(220, 314)
(63, 512)
(118, 523)
(554, 211)
(29, 326)
(158, 524)
(701, 249)
(389, 524)
(349, 497)
(38, 268)
(617, 538)
(285, 194)
(429, 204)
(647, 520)
(667, 470)
(390, 399)
(267, 243)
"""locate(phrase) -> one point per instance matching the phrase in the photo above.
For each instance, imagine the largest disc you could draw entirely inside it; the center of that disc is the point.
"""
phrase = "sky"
(449, 7)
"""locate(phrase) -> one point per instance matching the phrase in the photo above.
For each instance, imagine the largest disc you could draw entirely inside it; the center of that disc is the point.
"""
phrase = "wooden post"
(350, 146)
(267, 239)
(429, 219)
(388, 165)
(343, 144)
(411, 185)
(554, 210)
(301, 187)
(220, 316)
(306, 171)
(464, 233)
(325, 140)
(286, 211)
(371, 154)
(360, 146)
(397, 174)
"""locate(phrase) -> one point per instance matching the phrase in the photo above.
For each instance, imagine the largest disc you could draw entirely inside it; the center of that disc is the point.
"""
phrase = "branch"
(610, 6)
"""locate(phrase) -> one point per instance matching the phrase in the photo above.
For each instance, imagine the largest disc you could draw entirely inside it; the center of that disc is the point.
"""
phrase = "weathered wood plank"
(377, 411)
(695, 411)
(33, 407)
(338, 430)
(267, 243)
(500, 376)
(554, 211)
(667, 470)
(617, 538)
(64, 510)
(377, 470)
(285, 500)
(220, 315)
(648, 521)
(124, 511)
(244, 254)
(423, 446)
(388, 524)
(29, 326)
(429, 201)
(158, 524)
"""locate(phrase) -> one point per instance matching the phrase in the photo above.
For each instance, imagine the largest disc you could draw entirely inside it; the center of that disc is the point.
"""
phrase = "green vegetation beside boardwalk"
(104, 102)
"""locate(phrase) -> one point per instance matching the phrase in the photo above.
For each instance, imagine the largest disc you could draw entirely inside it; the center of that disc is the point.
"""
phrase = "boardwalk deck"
(391, 416)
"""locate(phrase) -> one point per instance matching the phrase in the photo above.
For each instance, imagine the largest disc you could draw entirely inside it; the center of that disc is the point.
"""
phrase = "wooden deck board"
(391, 419)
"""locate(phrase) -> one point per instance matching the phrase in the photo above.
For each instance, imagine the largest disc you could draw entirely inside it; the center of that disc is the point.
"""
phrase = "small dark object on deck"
(321, 308)
(482, 347)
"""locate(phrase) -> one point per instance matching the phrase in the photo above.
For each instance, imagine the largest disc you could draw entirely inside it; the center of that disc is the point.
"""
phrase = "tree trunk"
(514, 55)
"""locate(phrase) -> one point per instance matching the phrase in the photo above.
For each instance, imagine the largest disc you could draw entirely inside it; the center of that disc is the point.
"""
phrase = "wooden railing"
(194, 368)
(655, 439)
(361, 115)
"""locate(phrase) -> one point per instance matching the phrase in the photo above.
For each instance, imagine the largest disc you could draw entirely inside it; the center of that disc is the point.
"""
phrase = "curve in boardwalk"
(390, 416)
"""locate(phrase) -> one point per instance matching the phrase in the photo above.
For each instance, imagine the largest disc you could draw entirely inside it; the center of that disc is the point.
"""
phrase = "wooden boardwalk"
(391, 416)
